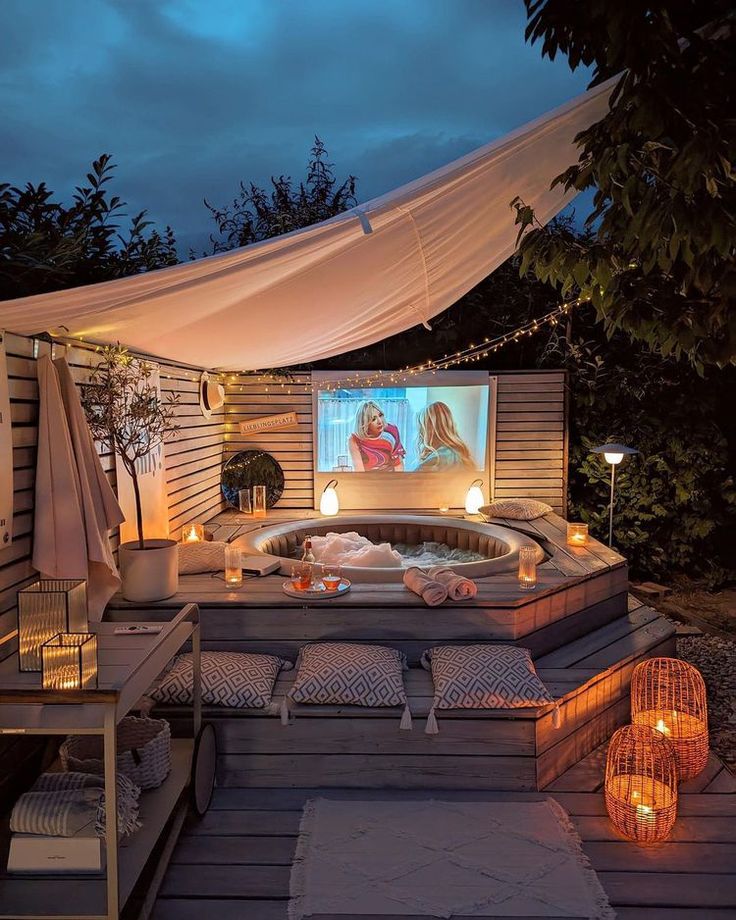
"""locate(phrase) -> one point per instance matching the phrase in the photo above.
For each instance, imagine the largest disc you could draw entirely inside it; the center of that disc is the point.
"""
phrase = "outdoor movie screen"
(411, 429)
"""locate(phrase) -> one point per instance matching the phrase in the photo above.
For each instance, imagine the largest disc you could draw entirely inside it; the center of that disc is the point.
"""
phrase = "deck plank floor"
(235, 863)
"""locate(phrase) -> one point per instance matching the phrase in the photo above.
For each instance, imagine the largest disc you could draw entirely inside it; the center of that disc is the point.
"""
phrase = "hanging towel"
(458, 587)
(431, 591)
(75, 506)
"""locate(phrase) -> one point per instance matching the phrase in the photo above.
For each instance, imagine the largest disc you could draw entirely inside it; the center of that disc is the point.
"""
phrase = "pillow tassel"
(406, 724)
(431, 728)
(284, 710)
(556, 716)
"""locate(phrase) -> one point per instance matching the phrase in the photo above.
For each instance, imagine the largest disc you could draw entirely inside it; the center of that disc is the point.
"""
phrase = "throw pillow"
(350, 674)
(516, 509)
(203, 556)
(239, 680)
(482, 677)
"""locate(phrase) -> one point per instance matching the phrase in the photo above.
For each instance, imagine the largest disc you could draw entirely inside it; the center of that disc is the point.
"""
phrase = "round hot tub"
(498, 546)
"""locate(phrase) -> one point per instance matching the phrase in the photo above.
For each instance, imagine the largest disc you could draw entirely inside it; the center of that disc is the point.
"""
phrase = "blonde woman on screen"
(375, 444)
(439, 446)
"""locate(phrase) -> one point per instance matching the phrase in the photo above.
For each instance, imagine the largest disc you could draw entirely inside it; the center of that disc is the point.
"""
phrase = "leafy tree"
(660, 260)
(259, 215)
(46, 245)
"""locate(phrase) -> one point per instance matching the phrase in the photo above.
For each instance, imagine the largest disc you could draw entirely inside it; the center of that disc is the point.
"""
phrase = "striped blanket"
(67, 804)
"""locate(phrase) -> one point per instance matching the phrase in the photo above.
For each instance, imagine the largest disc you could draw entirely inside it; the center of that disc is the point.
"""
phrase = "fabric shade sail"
(346, 283)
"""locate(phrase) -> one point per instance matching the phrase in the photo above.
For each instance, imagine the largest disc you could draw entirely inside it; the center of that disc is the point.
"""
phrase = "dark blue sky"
(190, 96)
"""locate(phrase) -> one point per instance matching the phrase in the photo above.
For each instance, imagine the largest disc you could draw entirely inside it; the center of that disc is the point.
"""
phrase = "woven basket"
(144, 751)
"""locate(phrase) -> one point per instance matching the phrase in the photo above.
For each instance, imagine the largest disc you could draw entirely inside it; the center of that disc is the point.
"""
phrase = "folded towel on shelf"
(458, 587)
(431, 591)
(64, 804)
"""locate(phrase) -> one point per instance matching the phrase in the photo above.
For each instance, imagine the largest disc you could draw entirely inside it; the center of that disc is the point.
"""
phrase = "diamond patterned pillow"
(236, 679)
(516, 509)
(357, 675)
(482, 677)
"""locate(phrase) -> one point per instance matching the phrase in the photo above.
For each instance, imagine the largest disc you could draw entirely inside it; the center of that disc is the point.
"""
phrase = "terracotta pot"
(151, 573)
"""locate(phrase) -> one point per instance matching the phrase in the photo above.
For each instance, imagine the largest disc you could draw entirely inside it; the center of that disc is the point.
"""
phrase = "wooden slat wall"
(193, 462)
(530, 434)
(531, 438)
(248, 398)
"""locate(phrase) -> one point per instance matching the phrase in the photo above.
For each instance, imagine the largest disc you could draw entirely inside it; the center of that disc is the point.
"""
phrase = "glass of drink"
(304, 577)
(245, 501)
(331, 577)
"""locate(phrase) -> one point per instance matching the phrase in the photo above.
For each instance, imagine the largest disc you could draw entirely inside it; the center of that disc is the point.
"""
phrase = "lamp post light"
(613, 454)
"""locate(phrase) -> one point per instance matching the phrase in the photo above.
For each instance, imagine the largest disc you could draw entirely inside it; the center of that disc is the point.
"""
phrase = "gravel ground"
(715, 658)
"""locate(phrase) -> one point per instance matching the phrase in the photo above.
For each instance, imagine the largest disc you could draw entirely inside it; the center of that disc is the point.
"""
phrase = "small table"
(127, 666)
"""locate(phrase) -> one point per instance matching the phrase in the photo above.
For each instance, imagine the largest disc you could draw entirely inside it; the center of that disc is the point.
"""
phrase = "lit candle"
(192, 533)
(527, 567)
(233, 567)
(577, 534)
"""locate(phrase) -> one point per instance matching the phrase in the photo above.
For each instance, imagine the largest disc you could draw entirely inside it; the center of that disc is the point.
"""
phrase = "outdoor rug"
(442, 859)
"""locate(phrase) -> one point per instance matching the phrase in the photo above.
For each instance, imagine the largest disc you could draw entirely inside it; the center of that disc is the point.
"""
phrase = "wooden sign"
(6, 454)
(269, 423)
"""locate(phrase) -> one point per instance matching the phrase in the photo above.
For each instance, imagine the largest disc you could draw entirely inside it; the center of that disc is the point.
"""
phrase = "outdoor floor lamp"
(614, 454)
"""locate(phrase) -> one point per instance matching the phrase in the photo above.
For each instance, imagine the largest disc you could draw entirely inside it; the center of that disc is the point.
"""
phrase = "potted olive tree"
(126, 415)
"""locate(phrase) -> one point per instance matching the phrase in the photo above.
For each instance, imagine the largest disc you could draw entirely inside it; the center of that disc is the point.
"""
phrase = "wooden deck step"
(236, 861)
(338, 746)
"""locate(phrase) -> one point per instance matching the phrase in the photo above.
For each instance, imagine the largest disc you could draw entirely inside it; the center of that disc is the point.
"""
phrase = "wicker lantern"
(669, 695)
(641, 784)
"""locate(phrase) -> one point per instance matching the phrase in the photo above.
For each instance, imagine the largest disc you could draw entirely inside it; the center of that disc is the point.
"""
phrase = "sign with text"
(269, 423)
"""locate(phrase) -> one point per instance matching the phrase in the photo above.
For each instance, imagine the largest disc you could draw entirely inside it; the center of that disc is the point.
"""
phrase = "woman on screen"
(439, 446)
(375, 445)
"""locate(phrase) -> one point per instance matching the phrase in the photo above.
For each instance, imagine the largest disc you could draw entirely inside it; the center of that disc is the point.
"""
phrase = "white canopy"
(355, 279)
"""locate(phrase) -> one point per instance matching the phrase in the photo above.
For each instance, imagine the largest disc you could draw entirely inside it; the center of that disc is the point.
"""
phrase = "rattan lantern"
(669, 695)
(641, 784)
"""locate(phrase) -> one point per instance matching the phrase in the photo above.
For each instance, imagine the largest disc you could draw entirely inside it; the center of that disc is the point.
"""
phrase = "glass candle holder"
(69, 662)
(233, 567)
(45, 609)
(245, 501)
(577, 534)
(259, 501)
(527, 568)
(192, 533)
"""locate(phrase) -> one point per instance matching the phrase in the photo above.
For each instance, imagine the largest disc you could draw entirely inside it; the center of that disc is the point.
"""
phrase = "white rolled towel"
(431, 591)
(458, 587)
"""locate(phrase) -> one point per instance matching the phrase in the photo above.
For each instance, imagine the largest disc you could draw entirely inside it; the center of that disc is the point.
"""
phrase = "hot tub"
(498, 545)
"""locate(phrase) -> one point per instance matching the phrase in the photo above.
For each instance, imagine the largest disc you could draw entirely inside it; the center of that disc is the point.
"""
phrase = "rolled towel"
(430, 591)
(458, 587)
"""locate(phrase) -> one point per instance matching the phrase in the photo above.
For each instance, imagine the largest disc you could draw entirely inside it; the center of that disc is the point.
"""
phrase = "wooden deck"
(235, 863)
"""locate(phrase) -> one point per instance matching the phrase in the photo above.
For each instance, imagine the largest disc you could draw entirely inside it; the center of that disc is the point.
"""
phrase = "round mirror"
(250, 468)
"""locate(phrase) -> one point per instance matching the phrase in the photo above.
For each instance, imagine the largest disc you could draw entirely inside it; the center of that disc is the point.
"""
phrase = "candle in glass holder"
(259, 501)
(69, 662)
(233, 567)
(192, 533)
(527, 568)
(577, 534)
(245, 501)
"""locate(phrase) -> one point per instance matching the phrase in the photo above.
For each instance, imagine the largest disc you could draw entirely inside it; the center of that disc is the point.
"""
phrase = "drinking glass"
(259, 501)
(331, 577)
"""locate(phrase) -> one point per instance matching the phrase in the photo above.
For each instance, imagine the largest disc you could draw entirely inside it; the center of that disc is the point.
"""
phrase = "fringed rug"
(442, 859)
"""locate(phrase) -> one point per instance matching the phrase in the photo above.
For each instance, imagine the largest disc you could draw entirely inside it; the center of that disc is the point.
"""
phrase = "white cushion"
(484, 677)
(343, 672)
(517, 509)
(239, 680)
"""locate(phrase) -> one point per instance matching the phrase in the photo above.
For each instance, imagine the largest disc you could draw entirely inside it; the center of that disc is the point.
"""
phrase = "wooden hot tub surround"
(584, 636)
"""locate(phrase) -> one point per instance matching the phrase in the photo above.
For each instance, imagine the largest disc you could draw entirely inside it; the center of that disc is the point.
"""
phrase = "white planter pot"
(151, 573)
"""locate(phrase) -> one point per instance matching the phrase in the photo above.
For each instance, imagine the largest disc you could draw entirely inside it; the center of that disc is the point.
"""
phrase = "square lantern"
(192, 533)
(69, 662)
(45, 609)
(577, 534)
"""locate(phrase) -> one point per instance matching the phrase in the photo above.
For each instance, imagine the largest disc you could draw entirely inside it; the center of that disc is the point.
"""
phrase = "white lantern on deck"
(329, 503)
(474, 500)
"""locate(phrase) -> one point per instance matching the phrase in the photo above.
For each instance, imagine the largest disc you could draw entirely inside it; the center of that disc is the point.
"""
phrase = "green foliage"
(675, 508)
(125, 412)
(660, 262)
(46, 245)
(257, 215)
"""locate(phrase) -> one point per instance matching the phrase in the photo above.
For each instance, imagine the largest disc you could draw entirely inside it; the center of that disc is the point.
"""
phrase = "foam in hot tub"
(352, 548)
